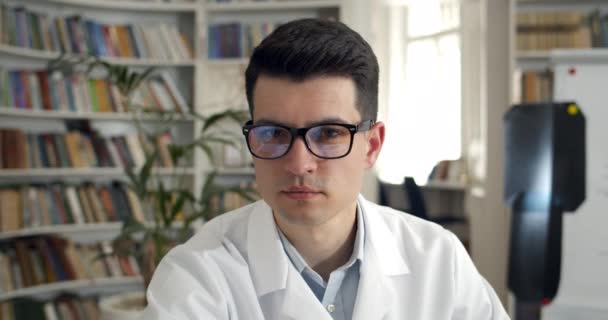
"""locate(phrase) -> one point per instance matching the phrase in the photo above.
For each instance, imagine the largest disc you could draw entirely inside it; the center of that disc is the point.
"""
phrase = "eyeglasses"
(326, 141)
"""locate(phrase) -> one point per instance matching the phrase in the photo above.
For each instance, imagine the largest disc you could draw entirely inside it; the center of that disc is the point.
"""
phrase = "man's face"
(300, 187)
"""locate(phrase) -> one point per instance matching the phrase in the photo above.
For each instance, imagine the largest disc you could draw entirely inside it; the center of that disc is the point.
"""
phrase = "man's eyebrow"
(309, 124)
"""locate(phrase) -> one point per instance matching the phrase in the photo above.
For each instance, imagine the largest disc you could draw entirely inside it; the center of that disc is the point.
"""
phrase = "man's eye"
(272, 133)
(330, 133)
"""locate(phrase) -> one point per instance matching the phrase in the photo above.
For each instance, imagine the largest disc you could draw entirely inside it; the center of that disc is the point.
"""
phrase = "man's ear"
(375, 140)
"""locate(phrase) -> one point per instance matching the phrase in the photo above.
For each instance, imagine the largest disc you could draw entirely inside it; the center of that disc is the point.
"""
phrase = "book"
(24, 263)
(135, 149)
(87, 207)
(37, 266)
(178, 99)
(119, 202)
(74, 150)
(134, 205)
(74, 204)
(45, 209)
(106, 201)
(16, 270)
(63, 215)
(34, 151)
(6, 277)
(49, 266)
(58, 246)
(102, 94)
(72, 254)
(10, 207)
(110, 259)
(98, 208)
(163, 141)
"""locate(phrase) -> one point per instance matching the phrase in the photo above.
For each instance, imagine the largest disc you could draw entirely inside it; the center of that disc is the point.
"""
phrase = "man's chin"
(300, 212)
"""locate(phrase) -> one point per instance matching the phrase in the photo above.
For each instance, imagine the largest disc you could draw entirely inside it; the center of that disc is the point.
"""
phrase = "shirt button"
(331, 308)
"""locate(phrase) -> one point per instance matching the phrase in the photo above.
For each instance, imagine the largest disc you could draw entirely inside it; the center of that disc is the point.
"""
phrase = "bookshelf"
(206, 84)
(545, 28)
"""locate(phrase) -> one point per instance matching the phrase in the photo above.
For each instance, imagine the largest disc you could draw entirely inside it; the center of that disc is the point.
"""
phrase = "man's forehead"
(304, 103)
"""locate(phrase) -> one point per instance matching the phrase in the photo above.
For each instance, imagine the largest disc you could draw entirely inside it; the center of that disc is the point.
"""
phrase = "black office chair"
(413, 202)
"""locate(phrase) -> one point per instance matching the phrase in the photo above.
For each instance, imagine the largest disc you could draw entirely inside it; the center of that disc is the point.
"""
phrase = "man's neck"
(324, 247)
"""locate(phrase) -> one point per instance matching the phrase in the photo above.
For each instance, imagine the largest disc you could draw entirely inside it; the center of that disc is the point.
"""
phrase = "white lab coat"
(236, 268)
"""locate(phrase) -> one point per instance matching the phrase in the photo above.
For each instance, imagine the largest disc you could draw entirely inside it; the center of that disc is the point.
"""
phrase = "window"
(424, 94)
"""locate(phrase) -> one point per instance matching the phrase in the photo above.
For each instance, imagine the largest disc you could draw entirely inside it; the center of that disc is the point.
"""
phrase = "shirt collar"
(300, 264)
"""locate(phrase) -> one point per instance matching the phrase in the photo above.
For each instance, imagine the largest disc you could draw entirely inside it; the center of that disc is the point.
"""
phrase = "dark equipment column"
(544, 177)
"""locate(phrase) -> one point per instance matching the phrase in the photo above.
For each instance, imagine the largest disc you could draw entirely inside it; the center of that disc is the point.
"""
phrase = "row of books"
(229, 200)
(533, 86)
(38, 205)
(561, 29)
(74, 34)
(64, 307)
(54, 91)
(237, 40)
(77, 149)
(29, 262)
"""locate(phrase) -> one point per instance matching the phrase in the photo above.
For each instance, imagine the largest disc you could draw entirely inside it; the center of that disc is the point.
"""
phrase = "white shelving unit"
(108, 116)
(271, 5)
(208, 84)
(49, 55)
(187, 17)
(140, 6)
(97, 231)
(85, 172)
(81, 287)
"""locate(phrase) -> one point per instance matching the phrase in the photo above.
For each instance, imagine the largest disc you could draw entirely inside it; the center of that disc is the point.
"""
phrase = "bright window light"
(424, 113)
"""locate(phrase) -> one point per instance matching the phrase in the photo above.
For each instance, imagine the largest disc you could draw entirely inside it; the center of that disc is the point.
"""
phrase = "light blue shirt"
(338, 295)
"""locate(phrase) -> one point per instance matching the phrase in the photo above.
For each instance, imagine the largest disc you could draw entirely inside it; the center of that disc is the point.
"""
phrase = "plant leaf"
(237, 116)
(179, 204)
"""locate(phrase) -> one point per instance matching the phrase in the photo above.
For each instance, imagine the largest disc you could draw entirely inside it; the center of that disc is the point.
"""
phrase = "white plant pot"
(124, 306)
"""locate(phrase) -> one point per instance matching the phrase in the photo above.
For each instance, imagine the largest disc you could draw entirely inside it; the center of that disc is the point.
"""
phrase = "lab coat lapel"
(273, 274)
(300, 302)
(382, 260)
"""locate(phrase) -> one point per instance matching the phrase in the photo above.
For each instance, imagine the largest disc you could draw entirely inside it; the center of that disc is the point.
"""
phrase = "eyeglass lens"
(326, 141)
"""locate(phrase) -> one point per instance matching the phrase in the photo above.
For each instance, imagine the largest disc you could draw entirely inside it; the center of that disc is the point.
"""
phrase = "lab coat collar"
(268, 262)
(383, 260)
(381, 242)
(271, 270)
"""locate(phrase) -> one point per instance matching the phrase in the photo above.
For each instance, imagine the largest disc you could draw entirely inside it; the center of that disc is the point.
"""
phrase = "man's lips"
(300, 189)
(300, 193)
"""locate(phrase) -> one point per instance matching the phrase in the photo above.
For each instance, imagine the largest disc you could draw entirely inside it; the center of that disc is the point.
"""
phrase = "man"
(313, 248)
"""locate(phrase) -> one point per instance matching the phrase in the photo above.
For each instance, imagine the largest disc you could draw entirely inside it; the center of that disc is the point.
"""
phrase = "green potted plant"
(175, 207)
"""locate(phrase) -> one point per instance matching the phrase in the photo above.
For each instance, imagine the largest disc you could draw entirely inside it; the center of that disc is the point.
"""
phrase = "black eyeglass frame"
(363, 126)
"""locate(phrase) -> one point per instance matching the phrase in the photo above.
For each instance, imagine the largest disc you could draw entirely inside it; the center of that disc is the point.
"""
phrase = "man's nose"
(299, 161)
